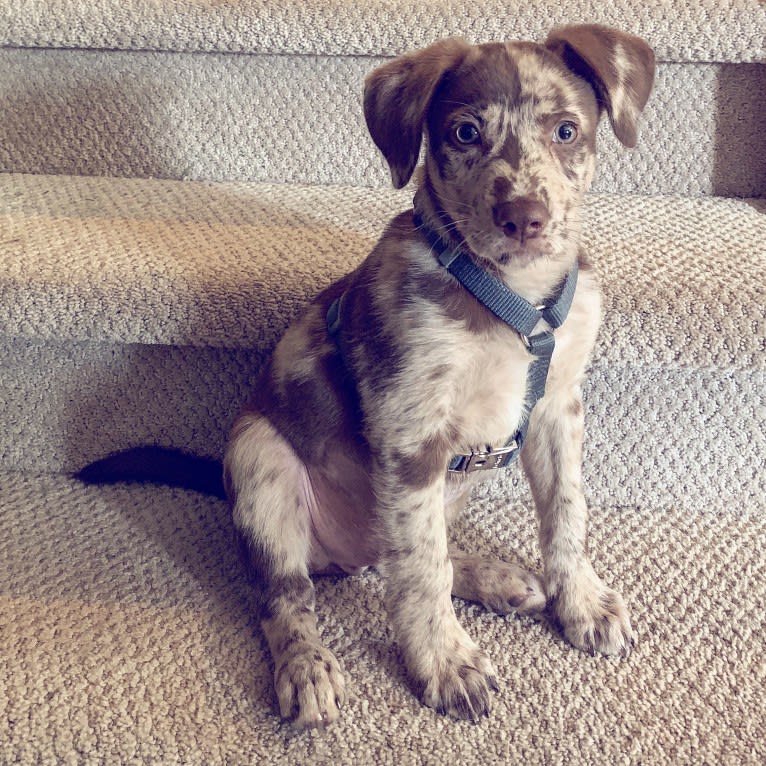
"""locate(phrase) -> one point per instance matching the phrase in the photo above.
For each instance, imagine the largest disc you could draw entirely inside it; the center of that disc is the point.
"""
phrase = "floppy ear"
(396, 98)
(619, 66)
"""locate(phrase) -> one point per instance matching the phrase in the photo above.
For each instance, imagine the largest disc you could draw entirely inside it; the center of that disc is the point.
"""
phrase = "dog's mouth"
(494, 244)
(514, 232)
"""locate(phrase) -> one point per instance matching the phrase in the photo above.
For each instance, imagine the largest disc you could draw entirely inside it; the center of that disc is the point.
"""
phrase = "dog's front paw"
(459, 682)
(593, 617)
(310, 686)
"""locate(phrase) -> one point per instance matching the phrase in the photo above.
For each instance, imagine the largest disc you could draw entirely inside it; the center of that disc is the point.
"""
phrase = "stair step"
(710, 30)
(136, 311)
(229, 264)
(655, 436)
(298, 119)
(154, 91)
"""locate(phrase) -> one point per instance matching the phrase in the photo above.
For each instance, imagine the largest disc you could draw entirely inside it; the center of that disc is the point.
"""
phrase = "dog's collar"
(519, 314)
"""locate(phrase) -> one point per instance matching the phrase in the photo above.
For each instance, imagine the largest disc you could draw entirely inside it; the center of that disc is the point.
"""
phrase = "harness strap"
(521, 316)
(517, 313)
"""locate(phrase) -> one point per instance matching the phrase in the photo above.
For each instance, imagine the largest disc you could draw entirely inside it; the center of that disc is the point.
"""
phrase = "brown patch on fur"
(452, 299)
(438, 374)
(590, 51)
(396, 97)
(417, 469)
(308, 411)
(294, 591)
(376, 348)
(257, 560)
(489, 76)
(501, 189)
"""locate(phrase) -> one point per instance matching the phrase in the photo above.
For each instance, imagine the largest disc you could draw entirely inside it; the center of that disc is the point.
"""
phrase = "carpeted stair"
(177, 179)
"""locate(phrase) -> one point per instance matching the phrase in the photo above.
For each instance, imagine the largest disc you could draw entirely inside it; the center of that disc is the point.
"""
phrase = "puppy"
(341, 459)
(386, 401)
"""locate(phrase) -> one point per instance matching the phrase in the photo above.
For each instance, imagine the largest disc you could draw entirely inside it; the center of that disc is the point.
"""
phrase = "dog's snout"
(522, 218)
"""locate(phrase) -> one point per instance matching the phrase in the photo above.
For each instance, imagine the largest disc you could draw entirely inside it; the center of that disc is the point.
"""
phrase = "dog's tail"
(158, 465)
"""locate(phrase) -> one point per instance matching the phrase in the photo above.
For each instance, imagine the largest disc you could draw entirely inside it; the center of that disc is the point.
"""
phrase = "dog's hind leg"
(498, 585)
(266, 482)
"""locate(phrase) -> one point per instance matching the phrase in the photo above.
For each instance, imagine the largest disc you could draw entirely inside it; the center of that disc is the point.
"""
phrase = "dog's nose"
(522, 218)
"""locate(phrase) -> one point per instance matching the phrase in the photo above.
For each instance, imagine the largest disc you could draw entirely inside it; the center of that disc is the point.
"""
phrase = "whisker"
(465, 206)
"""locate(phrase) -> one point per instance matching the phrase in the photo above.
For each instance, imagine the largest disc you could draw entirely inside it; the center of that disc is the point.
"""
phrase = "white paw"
(594, 618)
(310, 686)
(458, 680)
(506, 588)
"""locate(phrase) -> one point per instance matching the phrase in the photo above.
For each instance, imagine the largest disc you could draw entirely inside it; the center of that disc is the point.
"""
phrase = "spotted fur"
(339, 461)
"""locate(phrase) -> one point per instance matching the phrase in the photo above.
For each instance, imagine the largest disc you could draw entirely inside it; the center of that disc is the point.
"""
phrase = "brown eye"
(565, 132)
(467, 133)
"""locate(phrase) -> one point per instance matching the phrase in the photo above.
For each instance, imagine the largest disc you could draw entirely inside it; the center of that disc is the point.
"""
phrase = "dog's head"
(511, 130)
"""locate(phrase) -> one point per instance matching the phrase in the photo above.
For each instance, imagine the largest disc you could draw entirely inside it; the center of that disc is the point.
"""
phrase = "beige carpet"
(230, 264)
(127, 638)
(707, 30)
(137, 311)
(297, 119)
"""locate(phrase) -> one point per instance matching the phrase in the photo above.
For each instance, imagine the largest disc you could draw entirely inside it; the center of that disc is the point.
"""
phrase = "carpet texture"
(707, 30)
(656, 437)
(128, 638)
(230, 264)
(139, 312)
(298, 119)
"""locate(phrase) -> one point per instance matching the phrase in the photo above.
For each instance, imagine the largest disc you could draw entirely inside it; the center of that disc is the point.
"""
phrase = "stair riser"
(299, 120)
(66, 405)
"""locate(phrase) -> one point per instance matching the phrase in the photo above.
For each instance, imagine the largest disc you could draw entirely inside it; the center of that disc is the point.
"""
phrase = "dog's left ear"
(619, 67)
(396, 98)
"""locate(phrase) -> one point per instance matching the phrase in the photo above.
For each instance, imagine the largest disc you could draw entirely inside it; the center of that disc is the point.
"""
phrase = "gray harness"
(518, 314)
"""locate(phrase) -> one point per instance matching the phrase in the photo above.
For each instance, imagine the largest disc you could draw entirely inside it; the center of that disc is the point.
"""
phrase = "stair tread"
(129, 635)
(230, 264)
(709, 30)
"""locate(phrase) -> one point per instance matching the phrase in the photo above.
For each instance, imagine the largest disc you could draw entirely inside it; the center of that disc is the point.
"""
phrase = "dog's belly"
(340, 505)
(341, 509)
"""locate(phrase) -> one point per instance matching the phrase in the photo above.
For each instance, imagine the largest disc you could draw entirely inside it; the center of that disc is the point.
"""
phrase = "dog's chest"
(490, 389)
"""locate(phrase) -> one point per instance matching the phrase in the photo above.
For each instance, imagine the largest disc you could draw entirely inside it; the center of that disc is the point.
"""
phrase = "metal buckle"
(525, 339)
(486, 460)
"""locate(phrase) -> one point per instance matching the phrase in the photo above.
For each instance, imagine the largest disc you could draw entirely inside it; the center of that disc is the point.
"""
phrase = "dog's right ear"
(396, 99)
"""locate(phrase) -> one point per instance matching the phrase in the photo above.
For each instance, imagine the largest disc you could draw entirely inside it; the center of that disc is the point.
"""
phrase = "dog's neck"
(532, 278)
